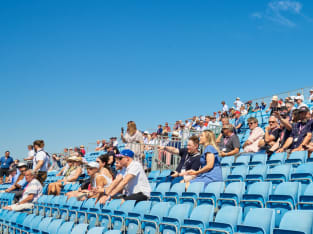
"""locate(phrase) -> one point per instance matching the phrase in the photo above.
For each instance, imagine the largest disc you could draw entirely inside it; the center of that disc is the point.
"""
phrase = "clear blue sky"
(75, 71)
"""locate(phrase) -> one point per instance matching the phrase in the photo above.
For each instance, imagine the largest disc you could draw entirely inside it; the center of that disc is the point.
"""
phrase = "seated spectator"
(99, 145)
(103, 145)
(6, 162)
(211, 170)
(190, 157)
(146, 137)
(243, 110)
(56, 163)
(114, 141)
(225, 108)
(256, 134)
(32, 192)
(166, 128)
(257, 107)
(160, 129)
(18, 187)
(176, 125)
(272, 134)
(230, 144)
(135, 181)
(97, 181)
(12, 176)
(274, 105)
(201, 126)
(238, 104)
(213, 121)
(299, 102)
(15, 163)
(153, 139)
(71, 172)
(239, 122)
(263, 105)
(249, 107)
(187, 124)
(206, 120)
(104, 166)
(134, 140)
(300, 134)
(225, 121)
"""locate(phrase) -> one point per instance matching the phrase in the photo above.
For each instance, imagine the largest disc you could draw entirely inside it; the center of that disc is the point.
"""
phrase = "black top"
(188, 161)
(275, 132)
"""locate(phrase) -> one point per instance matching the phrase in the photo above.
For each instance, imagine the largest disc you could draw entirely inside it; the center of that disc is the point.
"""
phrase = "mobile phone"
(122, 129)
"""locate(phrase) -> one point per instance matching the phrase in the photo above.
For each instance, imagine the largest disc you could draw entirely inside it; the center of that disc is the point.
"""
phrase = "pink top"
(255, 136)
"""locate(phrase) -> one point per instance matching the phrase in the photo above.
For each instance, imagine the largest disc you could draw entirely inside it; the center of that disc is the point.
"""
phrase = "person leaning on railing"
(190, 157)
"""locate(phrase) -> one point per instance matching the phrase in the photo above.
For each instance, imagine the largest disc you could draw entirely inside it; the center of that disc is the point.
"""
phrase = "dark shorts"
(136, 196)
(41, 176)
(4, 172)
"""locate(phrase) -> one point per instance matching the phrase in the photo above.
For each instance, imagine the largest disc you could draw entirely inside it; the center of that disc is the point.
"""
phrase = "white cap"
(237, 98)
(311, 90)
(146, 132)
(274, 98)
(93, 165)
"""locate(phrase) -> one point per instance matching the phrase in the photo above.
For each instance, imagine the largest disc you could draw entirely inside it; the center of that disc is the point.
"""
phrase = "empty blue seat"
(256, 196)
(238, 174)
(96, 230)
(306, 199)
(104, 216)
(226, 220)
(164, 176)
(211, 193)
(227, 161)
(171, 223)
(232, 195)
(174, 193)
(133, 220)
(297, 157)
(150, 222)
(225, 172)
(276, 159)
(303, 174)
(66, 228)
(198, 220)
(53, 227)
(160, 191)
(192, 193)
(33, 225)
(43, 225)
(295, 221)
(82, 212)
(120, 213)
(278, 174)
(256, 174)
(54, 210)
(153, 175)
(258, 159)
(152, 185)
(258, 220)
(284, 198)
(242, 160)
(80, 228)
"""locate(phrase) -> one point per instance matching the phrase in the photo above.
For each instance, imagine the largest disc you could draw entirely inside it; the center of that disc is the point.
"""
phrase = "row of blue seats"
(165, 217)
(6, 199)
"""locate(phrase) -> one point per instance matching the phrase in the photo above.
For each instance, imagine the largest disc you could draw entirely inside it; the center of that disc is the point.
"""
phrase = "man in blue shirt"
(238, 122)
(6, 162)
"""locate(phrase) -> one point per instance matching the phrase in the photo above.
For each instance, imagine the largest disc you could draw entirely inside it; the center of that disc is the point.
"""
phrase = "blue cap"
(128, 153)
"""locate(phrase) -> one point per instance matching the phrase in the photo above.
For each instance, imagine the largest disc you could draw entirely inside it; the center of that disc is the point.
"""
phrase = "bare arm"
(28, 199)
(209, 165)
(170, 149)
(39, 165)
(121, 185)
(76, 175)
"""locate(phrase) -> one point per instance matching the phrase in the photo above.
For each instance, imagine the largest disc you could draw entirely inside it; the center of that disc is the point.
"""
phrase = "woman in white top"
(134, 140)
(104, 166)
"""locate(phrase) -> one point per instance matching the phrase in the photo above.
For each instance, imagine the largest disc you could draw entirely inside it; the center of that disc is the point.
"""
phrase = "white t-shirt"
(41, 155)
(140, 182)
(133, 143)
(34, 187)
(311, 97)
(225, 108)
(238, 104)
(31, 153)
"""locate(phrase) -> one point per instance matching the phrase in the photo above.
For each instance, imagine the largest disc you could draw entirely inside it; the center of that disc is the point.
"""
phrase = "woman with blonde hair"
(134, 140)
(210, 170)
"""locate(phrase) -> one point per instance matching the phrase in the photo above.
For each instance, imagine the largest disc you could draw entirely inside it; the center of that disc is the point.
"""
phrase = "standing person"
(134, 140)
(31, 153)
(6, 162)
(41, 161)
(82, 150)
(239, 122)
(211, 170)
(311, 96)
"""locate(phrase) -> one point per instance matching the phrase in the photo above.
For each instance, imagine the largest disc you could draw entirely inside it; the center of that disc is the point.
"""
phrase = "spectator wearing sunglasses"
(256, 134)
(272, 134)
(135, 181)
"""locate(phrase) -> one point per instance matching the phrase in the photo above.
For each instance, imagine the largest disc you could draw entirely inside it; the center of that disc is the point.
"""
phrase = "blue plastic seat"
(225, 172)
(226, 220)
(33, 225)
(164, 176)
(160, 191)
(57, 203)
(227, 161)
(153, 185)
(295, 221)
(297, 157)
(238, 174)
(113, 232)
(198, 220)
(211, 193)
(16, 224)
(284, 198)
(256, 174)
(150, 222)
(192, 193)
(65, 209)
(80, 229)
(66, 228)
(120, 213)
(278, 174)
(41, 204)
(258, 220)
(303, 174)
(43, 225)
(133, 220)
(104, 216)
(82, 212)
(258, 159)
(174, 193)
(232, 195)
(96, 230)
(276, 159)
(53, 227)
(256, 196)
(171, 224)
(25, 223)
(153, 175)
(242, 160)
(306, 199)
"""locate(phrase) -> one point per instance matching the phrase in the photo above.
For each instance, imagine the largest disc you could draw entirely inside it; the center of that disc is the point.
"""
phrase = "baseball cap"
(145, 132)
(274, 98)
(93, 165)
(238, 98)
(127, 153)
(21, 165)
(237, 112)
(303, 109)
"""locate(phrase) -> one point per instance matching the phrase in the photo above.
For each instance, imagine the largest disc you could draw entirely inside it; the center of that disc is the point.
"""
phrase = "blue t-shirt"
(237, 122)
(22, 183)
(6, 162)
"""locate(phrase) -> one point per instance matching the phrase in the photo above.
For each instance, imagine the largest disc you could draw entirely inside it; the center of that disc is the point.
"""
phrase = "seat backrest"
(305, 168)
(261, 188)
(225, 172)
(80, 228)
(297, 220)
(227, 160)
(280, 169)
(237, 188)
(152, 185)
(44, 223)
(127, 206)
(113, 204)
(178, 188)
(28, 219)
(160, 209)
(278, 156)
(163, 187)
(36, 221)
(299, 155)
(180, 212)
(203, 213)
(196, 187)
(309, 190)
(165, 173)
(258, 157)
(96, 230)
(142, 207)
(288, 188)
(262, 218)
(215, 188)
(240, 170)
(66, 228)
(245, 159)
(229, 214)
(55, 225)
(258, 170)
(153, 174)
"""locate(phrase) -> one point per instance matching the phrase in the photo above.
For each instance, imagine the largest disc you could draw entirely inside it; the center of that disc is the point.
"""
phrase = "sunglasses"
(120, 158)
(271, 121)
(251, 123)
